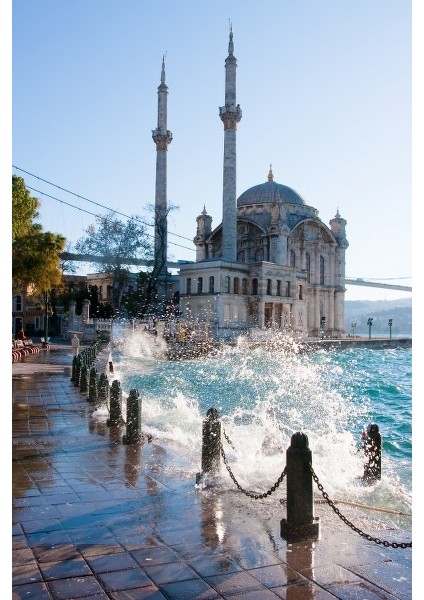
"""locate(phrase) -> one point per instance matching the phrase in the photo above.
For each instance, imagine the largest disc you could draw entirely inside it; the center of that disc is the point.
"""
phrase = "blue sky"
(325, 90)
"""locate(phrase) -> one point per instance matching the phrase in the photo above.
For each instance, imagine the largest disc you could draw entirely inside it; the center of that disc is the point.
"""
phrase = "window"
(240, 257)
(236, 285)
(188, 289)
(292, 258)
(244, 286)
(211, 284)
(259, 255)
(300, 292)
(308, 268)
(278, 287)
(226, 284)
(200, 285)
(254, 287)
(269, 287)
(18, 303)
(321, 270)
(288, 289)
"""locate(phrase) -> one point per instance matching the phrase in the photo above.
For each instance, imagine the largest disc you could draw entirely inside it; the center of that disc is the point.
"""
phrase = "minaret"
(162, 138)
(230, 115)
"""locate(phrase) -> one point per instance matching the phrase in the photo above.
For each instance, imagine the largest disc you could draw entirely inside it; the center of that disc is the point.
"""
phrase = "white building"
(271, 263)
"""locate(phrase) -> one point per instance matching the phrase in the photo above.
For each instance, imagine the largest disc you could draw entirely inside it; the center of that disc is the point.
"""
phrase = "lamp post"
(353, 325)
(369, 323)
(46, 316)
(323, 320)
(390, 327)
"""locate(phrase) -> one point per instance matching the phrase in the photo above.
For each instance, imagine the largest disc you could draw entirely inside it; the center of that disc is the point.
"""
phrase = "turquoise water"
(266, 394)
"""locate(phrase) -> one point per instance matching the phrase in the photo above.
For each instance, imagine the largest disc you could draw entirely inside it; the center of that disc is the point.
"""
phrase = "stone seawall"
(377, 343)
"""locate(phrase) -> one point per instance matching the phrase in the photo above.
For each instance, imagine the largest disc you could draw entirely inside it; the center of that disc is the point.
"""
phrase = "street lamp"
(323, 320)
(369, 323)
(390, 327)
(353, 325)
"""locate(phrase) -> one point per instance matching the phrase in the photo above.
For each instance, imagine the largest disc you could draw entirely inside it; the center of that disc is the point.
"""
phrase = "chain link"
(249, 494)
(351, 525)
(228, 439)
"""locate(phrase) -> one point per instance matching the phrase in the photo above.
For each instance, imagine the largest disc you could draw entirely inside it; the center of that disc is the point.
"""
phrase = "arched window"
(211, 284)
(241, 257)
(269, 287)
(200, 285)
(227, 285)
(292, 258)
(321, 270)
(254, 287)
(259, 255)
(308, 267)
(236, 285)
(244, 286)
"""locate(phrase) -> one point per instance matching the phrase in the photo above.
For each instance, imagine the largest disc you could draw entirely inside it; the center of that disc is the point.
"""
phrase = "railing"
(300, 522)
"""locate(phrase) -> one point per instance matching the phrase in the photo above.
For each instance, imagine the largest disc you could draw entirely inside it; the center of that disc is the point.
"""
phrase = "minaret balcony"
(161, 138)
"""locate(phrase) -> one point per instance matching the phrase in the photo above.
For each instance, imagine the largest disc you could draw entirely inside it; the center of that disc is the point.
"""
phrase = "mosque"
(271, 264)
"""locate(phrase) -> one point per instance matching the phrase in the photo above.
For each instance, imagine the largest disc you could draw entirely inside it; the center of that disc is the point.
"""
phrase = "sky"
(326, 94)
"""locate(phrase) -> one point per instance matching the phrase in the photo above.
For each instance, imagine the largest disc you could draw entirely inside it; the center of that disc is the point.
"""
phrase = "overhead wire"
(93, 202)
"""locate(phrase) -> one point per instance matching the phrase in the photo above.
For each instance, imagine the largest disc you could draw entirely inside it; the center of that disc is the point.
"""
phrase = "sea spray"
(265, 393)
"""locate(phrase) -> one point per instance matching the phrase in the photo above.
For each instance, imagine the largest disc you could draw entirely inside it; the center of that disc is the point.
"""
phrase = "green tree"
(112, 246)
(24, 208)
(35, 253)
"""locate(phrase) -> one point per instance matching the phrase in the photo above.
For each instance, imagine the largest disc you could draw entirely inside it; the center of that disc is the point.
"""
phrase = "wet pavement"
(98, 519)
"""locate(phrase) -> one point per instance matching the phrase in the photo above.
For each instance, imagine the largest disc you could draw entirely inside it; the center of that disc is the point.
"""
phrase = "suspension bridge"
(90, 258)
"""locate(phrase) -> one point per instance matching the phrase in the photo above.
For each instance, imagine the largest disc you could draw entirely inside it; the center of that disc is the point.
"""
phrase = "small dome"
(269, 193)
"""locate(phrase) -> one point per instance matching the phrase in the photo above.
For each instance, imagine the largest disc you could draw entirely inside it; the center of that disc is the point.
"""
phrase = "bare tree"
(158, 281)
(112, 246)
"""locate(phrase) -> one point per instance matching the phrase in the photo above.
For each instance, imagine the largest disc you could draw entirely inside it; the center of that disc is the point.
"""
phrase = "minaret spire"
(162, 137)
(162, 76)
(230, 115)
(231, 43)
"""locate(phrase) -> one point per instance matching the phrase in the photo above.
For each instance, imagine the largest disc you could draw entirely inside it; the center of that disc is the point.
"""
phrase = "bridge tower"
(162, 137)
(230, 115)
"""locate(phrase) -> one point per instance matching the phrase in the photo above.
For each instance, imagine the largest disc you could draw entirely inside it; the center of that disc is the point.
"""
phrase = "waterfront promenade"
(96, 519)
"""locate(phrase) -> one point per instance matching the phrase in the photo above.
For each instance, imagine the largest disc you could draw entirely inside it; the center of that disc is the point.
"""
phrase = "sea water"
(264, 394)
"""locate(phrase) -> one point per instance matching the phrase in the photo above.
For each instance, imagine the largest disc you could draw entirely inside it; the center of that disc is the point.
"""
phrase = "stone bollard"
(115, 415)
(78, 368)
(300, 523)
(133, 431)
(92, 386)
(74, 368)
(372, 451)
(84, 380)
(211, 442)
(103, 388)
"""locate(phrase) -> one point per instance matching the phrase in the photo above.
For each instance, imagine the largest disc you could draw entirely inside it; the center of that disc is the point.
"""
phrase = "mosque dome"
(269, 193)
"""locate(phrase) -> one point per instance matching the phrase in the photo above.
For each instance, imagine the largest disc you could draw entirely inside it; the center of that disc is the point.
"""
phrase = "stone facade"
(272, 263)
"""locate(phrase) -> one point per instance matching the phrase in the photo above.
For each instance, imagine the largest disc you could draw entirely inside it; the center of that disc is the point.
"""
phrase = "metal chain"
(250, 494)
(228, 439)
(351, 525)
